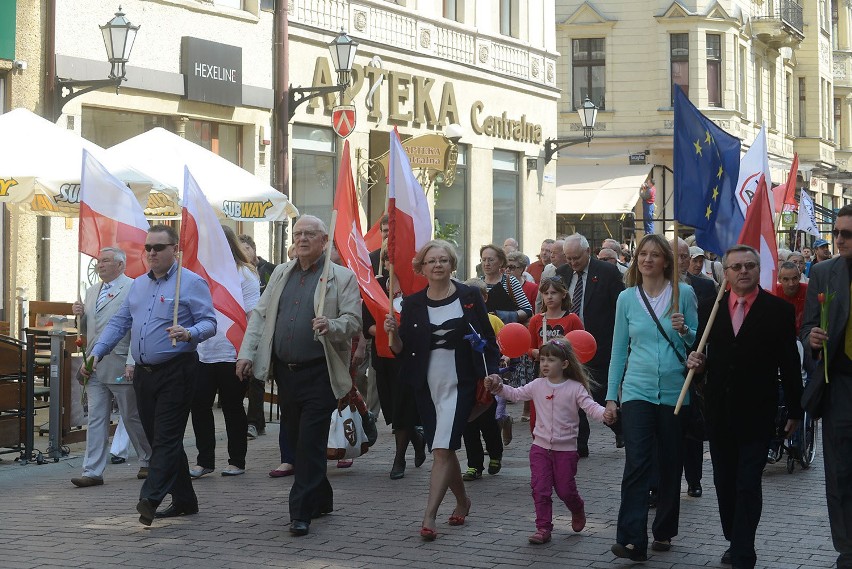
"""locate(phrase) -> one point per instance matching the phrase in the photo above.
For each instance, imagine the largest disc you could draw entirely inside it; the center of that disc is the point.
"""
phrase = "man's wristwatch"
(189, 335)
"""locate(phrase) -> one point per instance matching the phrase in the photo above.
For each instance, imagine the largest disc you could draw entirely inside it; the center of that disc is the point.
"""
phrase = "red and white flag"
(409, 219)
(373, 237)
(784, 195)
(206, 253)
(111, 216)
(753, 165)
(354, 253)
(759, 232)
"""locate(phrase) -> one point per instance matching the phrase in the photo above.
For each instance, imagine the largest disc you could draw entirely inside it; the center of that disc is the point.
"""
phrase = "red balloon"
(583, 343)
(514, 340)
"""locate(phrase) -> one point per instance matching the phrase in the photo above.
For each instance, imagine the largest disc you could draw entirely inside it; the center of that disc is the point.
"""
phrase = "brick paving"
(46, 522)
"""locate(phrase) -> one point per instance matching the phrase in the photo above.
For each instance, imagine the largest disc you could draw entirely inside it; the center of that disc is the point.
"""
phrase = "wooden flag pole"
(177, 295)
(544, 327)
(702, 343)
(78, 320)
(676, 270)
(390, 299)
(327, 265)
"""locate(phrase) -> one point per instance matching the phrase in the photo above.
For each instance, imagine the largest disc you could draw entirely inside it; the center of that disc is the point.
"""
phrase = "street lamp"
(119, 36)
(588, 115)
(342, 50)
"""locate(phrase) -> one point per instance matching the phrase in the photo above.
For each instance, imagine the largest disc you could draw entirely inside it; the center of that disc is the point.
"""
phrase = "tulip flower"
(824, 300)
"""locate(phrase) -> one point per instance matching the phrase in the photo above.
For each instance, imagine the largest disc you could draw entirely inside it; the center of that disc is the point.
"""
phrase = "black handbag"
(693, 420)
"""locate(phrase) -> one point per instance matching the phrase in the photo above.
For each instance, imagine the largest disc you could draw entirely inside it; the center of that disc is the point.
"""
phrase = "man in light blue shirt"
(164, 377)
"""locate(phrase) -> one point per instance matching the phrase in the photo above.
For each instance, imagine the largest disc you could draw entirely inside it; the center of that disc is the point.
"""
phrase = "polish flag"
(206, 252)
(111, 216)
(759, 232)
(409, 219)
(354, 253)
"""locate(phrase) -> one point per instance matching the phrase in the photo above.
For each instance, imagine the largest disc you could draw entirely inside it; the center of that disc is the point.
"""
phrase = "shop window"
(222, 139)
(589, 66)
(506, 203)
(451, 213)
(714, 70)
(680, 63)
(314, 172)
(106, 127)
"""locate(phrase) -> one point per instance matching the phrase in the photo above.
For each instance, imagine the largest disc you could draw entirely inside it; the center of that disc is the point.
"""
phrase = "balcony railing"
(787, 11)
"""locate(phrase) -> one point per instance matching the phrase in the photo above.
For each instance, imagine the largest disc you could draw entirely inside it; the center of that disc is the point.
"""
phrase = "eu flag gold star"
(715, 193)
(708, 139)
(719, 173)
(709, 212)
(698, 148)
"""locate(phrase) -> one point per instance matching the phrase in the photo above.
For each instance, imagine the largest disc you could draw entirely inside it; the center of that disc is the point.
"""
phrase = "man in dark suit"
(594, 287)
(752, 338)
(827, 277)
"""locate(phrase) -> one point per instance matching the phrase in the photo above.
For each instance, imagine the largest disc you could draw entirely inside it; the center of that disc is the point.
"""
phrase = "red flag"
(373, 238)
(354, 253)
(759, 232)
(111, 216)
(409, 220)
(785, 196)
(206, 253)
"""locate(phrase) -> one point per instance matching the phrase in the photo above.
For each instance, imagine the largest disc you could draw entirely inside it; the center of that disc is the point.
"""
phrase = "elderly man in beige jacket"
(308, 355)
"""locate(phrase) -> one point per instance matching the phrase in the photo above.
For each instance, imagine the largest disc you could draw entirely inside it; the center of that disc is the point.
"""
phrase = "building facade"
(478, 71)
(743, 64)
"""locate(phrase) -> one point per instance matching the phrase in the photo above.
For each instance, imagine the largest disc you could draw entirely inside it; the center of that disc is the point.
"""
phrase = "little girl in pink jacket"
(557, 396)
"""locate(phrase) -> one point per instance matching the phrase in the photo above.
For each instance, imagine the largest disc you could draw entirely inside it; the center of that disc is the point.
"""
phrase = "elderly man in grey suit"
(827, 277)
(114, 375)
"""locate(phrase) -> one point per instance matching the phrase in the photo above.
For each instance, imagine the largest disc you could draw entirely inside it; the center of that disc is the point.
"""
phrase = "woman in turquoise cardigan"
(647, 369)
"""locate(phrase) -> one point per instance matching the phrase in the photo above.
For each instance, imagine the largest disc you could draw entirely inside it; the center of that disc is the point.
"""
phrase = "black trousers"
(737, 471)
(599, 395)
(693, 460)
(307, 401)
(164, 395)
(487, 425)
(649, 431)
(255, 416)
(219, 377)
(837, 456)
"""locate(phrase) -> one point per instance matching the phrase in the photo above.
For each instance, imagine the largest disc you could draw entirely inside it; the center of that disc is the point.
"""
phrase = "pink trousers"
(553, 469)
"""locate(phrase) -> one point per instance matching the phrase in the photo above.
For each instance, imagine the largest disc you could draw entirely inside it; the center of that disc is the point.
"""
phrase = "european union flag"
(706, 169)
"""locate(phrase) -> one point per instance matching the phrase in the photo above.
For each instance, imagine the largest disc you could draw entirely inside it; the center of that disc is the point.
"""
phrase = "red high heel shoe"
(456, 520)
(428, 534)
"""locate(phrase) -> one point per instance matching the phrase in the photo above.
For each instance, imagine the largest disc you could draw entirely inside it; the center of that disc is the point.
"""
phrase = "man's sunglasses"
(845, 233)
(158, 247)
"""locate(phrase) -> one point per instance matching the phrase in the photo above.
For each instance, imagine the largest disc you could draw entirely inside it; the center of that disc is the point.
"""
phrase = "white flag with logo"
(807, 216)
(753, 165)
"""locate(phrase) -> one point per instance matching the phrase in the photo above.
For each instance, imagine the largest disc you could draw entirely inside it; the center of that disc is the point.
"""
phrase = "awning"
(598, 189)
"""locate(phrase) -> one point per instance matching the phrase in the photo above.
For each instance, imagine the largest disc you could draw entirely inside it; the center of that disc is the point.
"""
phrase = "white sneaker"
(233, 471)
(251, 434)
(199, 471)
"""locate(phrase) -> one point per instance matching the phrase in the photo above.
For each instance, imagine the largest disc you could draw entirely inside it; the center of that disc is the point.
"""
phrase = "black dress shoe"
(147, 511)
(397, 470)
(175, 510)
(726, 557)
(694, 491)
(117, 459)
(418, 441)
(299, 527)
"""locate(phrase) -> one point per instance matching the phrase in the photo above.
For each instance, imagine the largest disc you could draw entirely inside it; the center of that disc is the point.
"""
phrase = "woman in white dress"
(439, 362)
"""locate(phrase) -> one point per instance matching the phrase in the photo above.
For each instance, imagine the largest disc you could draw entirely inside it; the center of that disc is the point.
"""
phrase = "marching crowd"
(646, 309)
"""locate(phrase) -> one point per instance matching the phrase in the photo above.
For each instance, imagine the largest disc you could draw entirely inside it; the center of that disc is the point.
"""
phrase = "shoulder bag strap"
(659, 326)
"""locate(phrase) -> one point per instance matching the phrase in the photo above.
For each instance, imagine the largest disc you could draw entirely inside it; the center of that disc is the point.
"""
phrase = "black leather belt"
(155, 367)
(297, 366)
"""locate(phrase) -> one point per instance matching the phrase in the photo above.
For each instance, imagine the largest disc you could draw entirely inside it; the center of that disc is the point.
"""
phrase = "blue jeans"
(648, 216)
(649, 429)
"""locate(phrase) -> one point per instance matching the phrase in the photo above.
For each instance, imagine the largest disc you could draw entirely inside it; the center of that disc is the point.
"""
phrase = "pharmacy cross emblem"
(343, 120)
